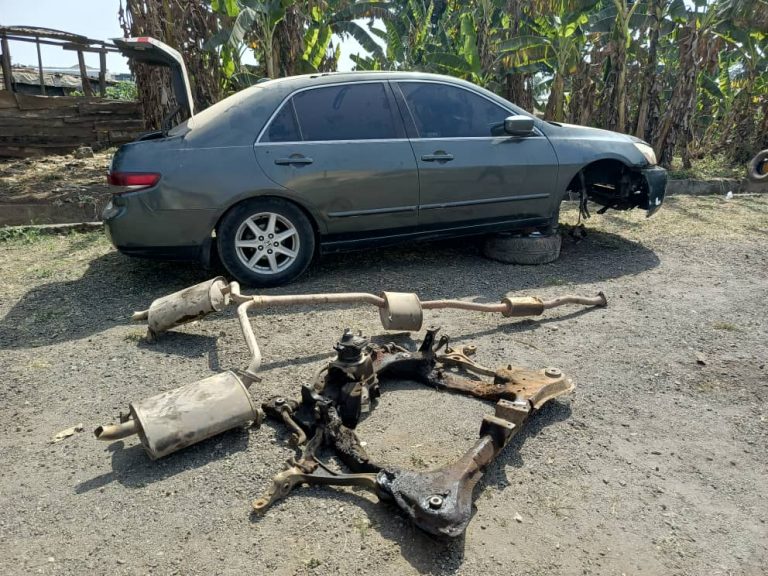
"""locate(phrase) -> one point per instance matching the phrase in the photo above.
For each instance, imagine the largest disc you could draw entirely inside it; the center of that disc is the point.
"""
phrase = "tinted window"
(442, 111)
(349, 112)
(284, 127)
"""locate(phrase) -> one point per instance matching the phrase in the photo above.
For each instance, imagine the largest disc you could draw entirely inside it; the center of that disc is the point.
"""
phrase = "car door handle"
(437, 157)
(293, 160)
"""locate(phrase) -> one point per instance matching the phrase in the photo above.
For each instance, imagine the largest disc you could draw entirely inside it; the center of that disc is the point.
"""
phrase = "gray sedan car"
(291, 167)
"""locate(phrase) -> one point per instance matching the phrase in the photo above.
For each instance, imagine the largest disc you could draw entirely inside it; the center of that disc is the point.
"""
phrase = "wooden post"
(103, 72)
(40, 66)
(6, 63)
(87, 90)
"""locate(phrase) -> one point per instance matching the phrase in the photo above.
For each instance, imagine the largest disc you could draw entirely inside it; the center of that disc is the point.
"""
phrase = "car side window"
(348, 112)
(442, 111)
(284, 127)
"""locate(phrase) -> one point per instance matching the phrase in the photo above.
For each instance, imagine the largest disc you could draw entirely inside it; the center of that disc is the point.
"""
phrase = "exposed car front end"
(616, 171)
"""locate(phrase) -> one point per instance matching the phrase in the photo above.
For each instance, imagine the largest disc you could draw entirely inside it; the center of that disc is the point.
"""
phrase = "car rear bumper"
(136, 230)
(181, 253)
(656, 179)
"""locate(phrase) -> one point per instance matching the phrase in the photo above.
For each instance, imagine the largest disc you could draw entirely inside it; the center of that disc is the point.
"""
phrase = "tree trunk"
(515, 89)
(607, 111)
(762, 138)
(554, 110)
(484, 45)
(184, 26)
(289, 37)
(648, 108)
(677, 118)
(582, 95)
(742, 143)
(621, 86)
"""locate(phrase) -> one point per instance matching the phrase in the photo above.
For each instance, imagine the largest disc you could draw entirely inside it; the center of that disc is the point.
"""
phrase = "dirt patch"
(656, 465)
(53, 188)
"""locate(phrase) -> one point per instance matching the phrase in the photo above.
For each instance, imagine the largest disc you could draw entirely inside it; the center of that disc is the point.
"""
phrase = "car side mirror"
(518, 125)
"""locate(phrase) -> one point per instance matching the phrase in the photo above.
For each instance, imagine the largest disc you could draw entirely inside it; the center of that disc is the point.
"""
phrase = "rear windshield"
(200, 119)
(236, 120)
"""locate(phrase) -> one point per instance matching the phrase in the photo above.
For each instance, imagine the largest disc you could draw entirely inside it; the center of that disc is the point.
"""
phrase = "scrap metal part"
(437, 501)
(185, 306)
(184, 416)
(397, 310)
(330, 408)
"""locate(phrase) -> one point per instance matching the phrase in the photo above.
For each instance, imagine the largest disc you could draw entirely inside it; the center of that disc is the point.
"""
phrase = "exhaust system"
(185, 306)
(402, 311)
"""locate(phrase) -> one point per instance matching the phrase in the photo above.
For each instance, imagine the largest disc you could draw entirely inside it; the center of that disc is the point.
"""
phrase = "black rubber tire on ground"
(289, 213)
(758, 167)
(516, 249)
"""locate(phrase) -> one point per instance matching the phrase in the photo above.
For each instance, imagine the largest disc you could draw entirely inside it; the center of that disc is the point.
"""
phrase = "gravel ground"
(655, 465)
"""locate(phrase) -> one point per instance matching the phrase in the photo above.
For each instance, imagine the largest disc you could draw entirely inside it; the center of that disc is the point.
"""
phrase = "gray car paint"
(210, 163)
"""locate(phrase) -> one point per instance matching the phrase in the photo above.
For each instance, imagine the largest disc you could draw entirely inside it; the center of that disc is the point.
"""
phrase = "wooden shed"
(50, 124)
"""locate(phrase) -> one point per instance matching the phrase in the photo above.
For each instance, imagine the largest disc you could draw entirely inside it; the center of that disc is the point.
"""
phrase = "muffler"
(179, 418)
(185, 305)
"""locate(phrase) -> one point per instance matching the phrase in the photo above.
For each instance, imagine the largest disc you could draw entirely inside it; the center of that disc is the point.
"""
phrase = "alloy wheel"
(267, 243)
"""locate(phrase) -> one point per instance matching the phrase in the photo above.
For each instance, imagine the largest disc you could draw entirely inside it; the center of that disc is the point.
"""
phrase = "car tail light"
(133, 180)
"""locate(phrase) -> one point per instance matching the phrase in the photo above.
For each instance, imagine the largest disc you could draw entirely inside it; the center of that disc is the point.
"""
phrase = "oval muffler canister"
(179, 418)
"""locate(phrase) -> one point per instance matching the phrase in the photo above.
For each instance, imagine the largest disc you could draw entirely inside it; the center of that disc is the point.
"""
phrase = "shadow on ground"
(113, 286)
(132, 468)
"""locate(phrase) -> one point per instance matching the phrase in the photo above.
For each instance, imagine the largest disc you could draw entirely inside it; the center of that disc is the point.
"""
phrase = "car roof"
(320, 78)
(265, 96)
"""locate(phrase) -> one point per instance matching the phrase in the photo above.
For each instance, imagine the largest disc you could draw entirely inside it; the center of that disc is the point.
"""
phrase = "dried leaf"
(67, 433)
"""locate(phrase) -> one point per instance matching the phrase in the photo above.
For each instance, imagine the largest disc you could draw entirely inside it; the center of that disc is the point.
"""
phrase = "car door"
(467, 175)
(343, 148)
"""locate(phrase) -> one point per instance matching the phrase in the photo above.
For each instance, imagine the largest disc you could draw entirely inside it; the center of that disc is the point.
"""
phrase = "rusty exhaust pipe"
(401, 311)
(111, 432)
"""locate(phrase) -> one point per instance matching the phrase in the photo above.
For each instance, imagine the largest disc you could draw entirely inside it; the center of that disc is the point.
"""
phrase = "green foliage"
(123, 91)
(709, 167)
(20, 235)
(610, 63)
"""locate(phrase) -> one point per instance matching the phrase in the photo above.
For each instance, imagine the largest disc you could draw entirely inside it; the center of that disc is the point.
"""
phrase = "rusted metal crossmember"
(437, 501)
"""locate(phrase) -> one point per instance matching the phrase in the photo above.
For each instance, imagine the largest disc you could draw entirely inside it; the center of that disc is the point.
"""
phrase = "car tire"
(758, 167)
(516, 249)
(265, 242)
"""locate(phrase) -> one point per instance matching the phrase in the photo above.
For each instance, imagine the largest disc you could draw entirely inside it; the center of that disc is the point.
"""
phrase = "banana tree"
(746, 65)
(613, 22)
(463, 60)
(253, 27)
(697, 45)
(746, 14)
(468, 37)
(555, 47)
(410, 32)
(340, 19)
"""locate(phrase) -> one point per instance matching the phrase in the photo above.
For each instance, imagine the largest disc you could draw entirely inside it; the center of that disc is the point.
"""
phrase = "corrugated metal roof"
(30, 76)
